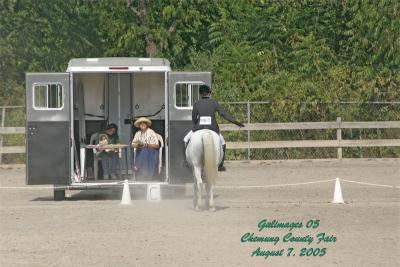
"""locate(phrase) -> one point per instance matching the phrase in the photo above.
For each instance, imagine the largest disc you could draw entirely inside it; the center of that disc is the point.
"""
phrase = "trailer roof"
(118, 64)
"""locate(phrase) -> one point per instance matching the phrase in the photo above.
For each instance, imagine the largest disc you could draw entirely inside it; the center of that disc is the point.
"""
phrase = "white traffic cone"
(126, 194)
(337, 195)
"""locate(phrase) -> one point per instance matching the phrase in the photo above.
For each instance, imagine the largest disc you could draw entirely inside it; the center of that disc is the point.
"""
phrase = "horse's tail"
(210, 161)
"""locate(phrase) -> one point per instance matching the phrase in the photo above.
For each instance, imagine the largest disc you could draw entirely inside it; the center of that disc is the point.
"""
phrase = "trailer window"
(48, 96)
(186, 94)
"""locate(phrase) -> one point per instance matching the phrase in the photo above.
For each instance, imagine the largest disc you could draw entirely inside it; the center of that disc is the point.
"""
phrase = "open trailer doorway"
(65, 112)
(117, 98)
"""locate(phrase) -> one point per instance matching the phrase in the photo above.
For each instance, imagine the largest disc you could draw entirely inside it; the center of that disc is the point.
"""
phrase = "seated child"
(103, 141)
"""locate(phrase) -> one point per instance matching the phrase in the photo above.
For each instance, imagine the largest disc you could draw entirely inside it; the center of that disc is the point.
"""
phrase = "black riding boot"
(221, 166)
(185, 164)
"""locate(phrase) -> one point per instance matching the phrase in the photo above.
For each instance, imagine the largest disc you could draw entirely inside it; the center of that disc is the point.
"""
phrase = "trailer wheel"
(59, 194)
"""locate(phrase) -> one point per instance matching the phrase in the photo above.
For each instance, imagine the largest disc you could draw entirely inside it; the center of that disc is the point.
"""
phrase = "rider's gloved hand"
(239, 124)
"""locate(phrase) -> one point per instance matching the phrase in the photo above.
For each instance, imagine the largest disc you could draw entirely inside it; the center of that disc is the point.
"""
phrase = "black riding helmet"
(204, 89)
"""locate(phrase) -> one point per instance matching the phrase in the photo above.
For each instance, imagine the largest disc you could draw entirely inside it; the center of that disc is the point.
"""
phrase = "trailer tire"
(59, 194)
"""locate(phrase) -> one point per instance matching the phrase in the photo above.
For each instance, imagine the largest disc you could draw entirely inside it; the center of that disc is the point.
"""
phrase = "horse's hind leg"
(196, 196)
(210, 197)
(197, 188)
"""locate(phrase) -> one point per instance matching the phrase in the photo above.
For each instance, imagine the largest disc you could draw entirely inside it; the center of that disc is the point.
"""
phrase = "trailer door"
(48, 128)
(183, 92)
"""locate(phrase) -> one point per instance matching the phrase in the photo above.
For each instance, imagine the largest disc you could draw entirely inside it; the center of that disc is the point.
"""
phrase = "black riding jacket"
(203, 114)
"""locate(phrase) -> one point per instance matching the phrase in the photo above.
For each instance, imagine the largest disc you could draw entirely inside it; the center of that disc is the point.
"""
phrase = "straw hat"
(142, 119)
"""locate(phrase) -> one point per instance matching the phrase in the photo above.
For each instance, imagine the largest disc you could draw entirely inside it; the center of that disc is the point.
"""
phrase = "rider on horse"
(203, 117)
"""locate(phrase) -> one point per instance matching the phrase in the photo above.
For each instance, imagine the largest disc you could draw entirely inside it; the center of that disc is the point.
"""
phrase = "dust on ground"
(92, 229)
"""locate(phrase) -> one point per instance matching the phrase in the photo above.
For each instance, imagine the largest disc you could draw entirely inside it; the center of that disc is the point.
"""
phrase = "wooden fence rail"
(338, 143)
(312, 125)
(12, 130)
(11, 149)
(9, 130)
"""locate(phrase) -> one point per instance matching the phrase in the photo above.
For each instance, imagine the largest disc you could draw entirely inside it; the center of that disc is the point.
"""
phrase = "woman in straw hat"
(146, 143)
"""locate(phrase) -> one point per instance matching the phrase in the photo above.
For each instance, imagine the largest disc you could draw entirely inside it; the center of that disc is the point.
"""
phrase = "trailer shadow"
(92, 195)
(137, 193)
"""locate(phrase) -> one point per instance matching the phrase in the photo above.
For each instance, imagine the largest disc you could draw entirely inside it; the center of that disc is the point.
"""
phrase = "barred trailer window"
(186, 94)
(48, 96)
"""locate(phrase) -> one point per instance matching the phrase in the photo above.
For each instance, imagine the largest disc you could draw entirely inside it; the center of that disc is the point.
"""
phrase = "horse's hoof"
(213, 209)
(197, 208)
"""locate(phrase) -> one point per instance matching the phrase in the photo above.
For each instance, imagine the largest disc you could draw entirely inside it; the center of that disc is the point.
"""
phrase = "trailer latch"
(32, 130)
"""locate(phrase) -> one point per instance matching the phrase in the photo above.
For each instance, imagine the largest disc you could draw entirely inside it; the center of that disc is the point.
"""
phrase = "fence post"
(339, 137)
(360, 148)
(3, 115)
(248, 131)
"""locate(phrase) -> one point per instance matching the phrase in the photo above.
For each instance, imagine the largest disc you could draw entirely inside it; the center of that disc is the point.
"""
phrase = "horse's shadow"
(220, 208)
(205, 209)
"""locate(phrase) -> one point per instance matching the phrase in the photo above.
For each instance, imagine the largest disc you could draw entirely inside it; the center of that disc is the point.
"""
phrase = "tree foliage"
(283, 51)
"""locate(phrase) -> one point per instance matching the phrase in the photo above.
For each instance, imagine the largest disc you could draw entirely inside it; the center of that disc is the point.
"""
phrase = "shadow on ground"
(137, 193)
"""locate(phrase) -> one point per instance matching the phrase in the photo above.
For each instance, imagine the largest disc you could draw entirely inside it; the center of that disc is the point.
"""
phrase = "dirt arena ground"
(92, 229)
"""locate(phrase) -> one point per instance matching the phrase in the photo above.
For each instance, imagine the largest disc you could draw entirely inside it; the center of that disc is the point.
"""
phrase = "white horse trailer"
(63, 110)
